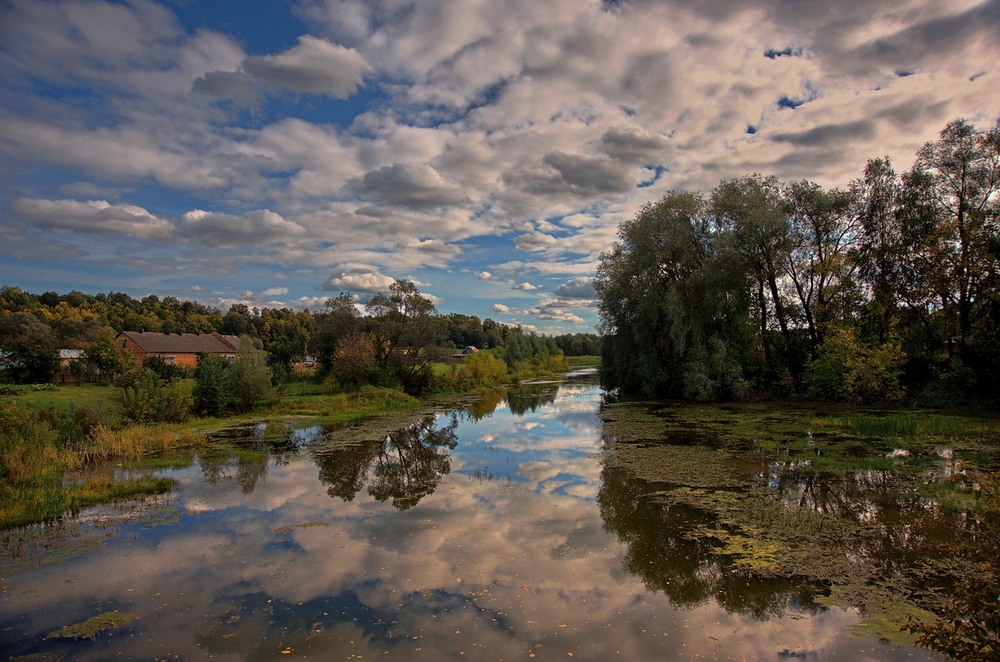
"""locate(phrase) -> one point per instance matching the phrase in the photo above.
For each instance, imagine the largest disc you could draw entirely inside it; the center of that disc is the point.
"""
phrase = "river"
(498, 532)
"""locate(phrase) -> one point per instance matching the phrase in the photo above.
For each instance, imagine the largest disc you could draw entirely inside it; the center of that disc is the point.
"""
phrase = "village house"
(180, 349)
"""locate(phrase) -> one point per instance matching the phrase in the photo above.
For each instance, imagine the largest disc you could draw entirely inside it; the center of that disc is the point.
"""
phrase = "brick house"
(181, 349)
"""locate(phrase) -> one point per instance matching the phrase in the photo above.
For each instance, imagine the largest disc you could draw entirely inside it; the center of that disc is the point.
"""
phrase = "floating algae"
(93, 626)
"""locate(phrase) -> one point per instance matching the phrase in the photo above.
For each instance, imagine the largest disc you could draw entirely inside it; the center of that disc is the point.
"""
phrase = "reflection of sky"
(507, 558)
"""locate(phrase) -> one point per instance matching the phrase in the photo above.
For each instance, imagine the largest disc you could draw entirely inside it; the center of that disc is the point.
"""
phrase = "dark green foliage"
(673, 306)
(105, 359)
(29, 347)
(166, 371)
(851, 295)
(147, 399)
(248, 380)
(407, 336)
(210, 389)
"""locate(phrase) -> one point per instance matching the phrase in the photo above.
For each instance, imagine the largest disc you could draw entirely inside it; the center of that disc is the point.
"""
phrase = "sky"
(280, 152)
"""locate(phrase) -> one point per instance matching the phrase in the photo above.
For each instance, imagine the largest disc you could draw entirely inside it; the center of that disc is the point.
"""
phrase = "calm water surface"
(483, 534)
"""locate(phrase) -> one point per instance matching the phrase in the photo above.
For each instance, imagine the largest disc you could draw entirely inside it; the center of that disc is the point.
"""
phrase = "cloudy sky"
(279, 152)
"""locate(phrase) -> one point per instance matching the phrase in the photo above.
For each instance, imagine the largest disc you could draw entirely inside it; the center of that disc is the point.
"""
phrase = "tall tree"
(821, 230)
(962, 169)
(407, 334)
(673, 307)
(752, 213)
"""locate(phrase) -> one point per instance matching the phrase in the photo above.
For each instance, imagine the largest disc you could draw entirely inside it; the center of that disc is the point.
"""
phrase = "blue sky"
(279, 152)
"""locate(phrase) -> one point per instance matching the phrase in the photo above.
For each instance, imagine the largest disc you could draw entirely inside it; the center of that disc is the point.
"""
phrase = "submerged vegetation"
(894, 513)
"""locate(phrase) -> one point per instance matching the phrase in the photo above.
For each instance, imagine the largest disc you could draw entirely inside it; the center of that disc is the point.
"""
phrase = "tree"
(211, 393)
(674, 308)
(962, 171)
(105, 358)
(751, 212)
(30, 348)
(249, 380)
(340, 319)
(821, 233)
(407, 335)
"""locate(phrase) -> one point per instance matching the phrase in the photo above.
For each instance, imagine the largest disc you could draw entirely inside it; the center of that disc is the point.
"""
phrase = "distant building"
(465, 353)
(181, 349)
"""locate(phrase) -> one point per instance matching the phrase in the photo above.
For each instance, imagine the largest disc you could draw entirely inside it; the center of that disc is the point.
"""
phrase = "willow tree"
(673, 307)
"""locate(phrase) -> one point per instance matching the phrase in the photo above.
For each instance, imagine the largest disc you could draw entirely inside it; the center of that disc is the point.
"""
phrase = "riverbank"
(48, 435)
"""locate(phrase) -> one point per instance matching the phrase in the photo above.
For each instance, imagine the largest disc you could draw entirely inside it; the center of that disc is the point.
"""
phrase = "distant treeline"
(33, 327)
(884, 290)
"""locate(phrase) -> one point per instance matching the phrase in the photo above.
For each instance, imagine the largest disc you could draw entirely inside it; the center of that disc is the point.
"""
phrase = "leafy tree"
(674, 309)
(406, 334)
(754, 217)
(248, 379)
(105, 358)
(30, 348)
(146, 399)
(340, 319)
(353, 362)
(853, 371)
(168, 372)
(961, 170)
(821, 231)
(211, 388)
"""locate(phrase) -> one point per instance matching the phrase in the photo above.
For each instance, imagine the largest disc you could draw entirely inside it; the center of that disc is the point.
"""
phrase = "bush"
(168, 372)
(249, 382)
(850, 370)
(149, 400)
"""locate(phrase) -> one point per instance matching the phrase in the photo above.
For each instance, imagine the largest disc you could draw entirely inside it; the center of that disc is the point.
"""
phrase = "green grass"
(46, 500)
(583, 361)
(66, 398)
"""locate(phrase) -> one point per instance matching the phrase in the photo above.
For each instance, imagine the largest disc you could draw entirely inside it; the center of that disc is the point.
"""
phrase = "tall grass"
(905, 425)
(38, 448)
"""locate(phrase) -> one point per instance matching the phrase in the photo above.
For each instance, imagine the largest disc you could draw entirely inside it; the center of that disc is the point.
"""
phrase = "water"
(490, 534)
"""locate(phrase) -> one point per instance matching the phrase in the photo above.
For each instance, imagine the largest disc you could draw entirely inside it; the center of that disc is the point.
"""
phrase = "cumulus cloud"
(227, 230)
(417, 186)
(314, 65)
(357, 278)
(227, 84)
(632, 145)
(577, 288)
(555, 310)
(501, 308)
(534, 241)
(92, 217)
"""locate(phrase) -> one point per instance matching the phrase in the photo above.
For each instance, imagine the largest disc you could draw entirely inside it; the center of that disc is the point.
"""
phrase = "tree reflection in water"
(405, 466)
(667, 551)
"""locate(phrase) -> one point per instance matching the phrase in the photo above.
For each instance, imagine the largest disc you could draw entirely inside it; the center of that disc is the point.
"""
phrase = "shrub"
(147, 399)
(168, 372)
(851, 370)
(249, 381)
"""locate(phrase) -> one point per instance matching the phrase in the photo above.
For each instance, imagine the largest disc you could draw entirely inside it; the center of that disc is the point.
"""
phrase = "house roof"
(182, 343)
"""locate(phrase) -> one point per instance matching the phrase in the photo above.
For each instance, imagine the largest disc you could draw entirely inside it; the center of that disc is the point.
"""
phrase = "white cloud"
(226, 230)
(314, 65)
(357, 278)
(92, 217)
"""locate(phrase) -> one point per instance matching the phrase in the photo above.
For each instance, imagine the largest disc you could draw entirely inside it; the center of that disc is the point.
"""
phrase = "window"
(169, 358)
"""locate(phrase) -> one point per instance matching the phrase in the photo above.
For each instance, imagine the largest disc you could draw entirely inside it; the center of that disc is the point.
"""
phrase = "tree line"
(401, 328)
(888, 288)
